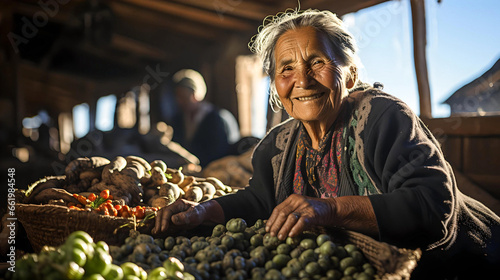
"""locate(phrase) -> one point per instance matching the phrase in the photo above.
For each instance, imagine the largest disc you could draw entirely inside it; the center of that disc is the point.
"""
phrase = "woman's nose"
(304, 78)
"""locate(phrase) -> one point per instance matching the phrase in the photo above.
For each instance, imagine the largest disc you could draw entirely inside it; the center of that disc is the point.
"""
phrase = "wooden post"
(419, 53)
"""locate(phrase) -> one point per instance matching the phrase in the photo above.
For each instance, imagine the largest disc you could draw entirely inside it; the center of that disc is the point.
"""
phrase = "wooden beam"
(419, 53)
(62, 14)
(464, 126)
(244, 9)
(193, 14)
(339, 7)
(157, 23)
(128, 44)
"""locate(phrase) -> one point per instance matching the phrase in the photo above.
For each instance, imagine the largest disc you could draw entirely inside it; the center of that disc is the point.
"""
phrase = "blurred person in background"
(199, 126)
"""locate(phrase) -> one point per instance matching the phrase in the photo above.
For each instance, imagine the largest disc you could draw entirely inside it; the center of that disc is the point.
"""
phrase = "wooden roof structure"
(71, 52)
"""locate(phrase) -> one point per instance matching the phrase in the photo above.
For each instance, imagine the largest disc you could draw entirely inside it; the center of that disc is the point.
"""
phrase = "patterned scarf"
(321, 167)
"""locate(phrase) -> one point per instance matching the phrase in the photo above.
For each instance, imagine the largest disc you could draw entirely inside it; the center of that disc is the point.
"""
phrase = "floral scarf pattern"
(321, 168)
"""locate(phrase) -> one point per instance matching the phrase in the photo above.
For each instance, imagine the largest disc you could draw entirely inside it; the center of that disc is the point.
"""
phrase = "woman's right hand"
(182, 214)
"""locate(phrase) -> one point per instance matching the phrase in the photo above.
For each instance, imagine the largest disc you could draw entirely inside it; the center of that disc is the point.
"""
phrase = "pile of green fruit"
(80, 258)
(237, 251)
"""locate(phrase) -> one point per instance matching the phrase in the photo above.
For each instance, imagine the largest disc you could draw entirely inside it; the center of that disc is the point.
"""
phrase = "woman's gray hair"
(264, 43)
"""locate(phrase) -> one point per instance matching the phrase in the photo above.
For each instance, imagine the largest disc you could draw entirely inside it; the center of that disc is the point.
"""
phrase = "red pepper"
(139, 212)
(82, 199)
(92, 197)
(104, 194)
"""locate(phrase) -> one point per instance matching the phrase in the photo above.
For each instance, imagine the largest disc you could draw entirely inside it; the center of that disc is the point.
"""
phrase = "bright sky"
(463, 41)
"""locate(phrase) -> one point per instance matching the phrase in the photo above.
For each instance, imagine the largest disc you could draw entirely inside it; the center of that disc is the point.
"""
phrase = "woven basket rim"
(390, 261)
(51, 224)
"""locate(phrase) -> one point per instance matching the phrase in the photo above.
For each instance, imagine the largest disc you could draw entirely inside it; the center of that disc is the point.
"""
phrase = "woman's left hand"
(300, 212)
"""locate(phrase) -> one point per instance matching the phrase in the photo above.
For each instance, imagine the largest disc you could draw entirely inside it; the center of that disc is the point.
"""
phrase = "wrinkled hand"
(182, 214)
(298, 213)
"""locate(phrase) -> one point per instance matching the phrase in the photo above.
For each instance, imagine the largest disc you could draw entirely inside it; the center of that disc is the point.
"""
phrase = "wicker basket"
(391, 263)
(51, 224)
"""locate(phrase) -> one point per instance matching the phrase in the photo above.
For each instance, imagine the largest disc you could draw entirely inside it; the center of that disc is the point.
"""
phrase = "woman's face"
(308, 76)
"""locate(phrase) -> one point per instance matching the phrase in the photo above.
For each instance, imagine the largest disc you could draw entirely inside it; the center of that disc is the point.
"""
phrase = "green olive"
(236, 225)
(327, 248)
(308, 243)
(218, 230)
(115, 272)
(312, 268)
(100, 263)
(322, 238)
(169, 243)
(256, 240)
(346, 262)
(280, 260)
(227, 241)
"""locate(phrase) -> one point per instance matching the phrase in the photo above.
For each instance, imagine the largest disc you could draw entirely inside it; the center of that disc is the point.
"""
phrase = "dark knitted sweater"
(392, 157)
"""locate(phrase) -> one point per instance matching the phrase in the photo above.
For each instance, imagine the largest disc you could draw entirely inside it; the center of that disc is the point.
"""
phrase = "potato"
(220, 193)
(216, 182)
(187, 182)
(194, 193)
(157, 177)
(91, 174)
(161, 201)
(208, 190)
(139, 160)
(116, 165)
(177, 175)
(170, 190)
(162, 165)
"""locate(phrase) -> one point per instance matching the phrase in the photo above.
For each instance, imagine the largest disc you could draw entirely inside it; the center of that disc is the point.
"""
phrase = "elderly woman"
(351, 156)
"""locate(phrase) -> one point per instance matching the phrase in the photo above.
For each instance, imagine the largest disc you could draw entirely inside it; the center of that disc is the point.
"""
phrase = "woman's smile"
(310, 97)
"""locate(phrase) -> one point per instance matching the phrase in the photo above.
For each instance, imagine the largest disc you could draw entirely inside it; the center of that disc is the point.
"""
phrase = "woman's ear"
(352, 77)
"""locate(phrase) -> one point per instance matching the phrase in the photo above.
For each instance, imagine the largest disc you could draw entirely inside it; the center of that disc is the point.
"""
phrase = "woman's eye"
(317, 62)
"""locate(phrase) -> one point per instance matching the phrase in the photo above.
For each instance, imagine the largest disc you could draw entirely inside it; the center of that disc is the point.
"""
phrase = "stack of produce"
(233, 251)
(123, 187)
(80, 258)
(237, 251)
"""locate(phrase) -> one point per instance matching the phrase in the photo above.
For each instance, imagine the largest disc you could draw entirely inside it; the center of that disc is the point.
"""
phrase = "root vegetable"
(208, 190)
(151, 199)
(187, 182)
(52, 194)
(146, 179)
(59, 202)
(157, 177)
(97, 188)
(161, 201)
(140, 160)
(75, 167)
(43, 184)
(170, 190)
(91, 174)
(220, 193)
(73, 188)
(159, 163)
(177, 175)
(114, 166)
(128, 181)
(194, 193)
(216, 182)
(134, 170)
